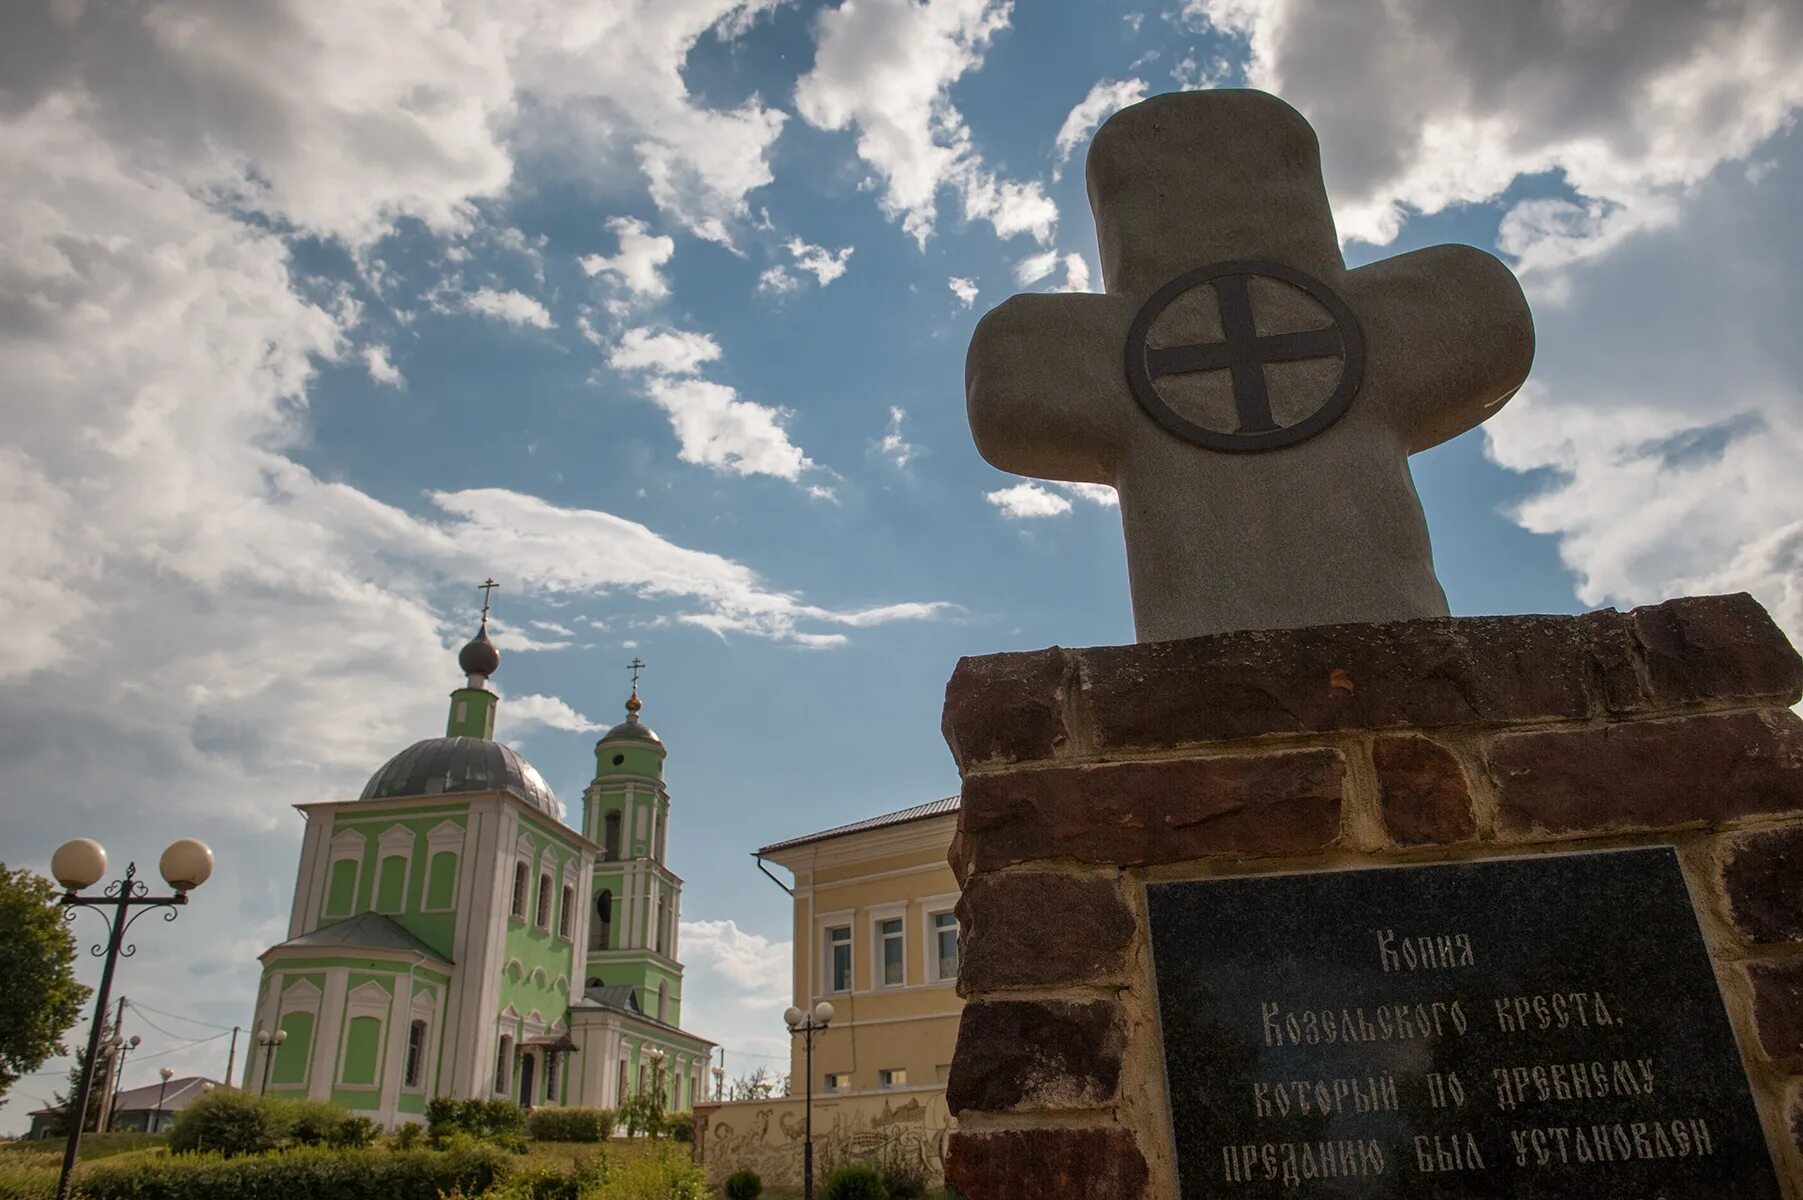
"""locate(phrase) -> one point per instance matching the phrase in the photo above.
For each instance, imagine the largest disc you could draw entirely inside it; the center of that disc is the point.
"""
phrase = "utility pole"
(114, 1061)
(231, 1059)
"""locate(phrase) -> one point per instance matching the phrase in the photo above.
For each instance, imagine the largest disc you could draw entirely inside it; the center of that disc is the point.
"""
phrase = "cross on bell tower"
(1253, 400)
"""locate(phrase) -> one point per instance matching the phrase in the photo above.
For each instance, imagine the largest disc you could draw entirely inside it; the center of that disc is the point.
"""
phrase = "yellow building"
(875, 934)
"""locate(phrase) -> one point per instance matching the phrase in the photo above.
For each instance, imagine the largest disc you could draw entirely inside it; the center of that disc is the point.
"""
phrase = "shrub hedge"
(857, 1182)
(485, 1119)
(316, 1173)
(230, 1123)
(743, 1185)
(570, 1124)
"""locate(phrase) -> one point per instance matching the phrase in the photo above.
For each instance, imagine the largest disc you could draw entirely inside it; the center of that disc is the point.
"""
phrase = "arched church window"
(416, 1053)
(520, 887)
(663, 1003)
(504, 1064)
(602, 937)
(543, 917)
(663, 909)
(564, 914)
(610, 837)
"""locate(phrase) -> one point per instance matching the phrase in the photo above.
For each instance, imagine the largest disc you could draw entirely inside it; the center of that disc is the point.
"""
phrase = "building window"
(520, 888)
(663, 912)
(838, 958)
(416, 1054)
(563, 912)
(620, 1084)
(663, 1003)
(610, 837)
(504, 1065)
(543, 915)
(601, 937)
(894, 954)
(838, 1082)
(945, 946)
(892, 1077)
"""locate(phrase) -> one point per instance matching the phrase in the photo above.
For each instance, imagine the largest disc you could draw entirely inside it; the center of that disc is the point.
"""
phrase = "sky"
(315, 314)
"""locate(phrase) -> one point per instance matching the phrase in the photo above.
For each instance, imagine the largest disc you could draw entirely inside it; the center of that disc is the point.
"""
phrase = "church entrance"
(526, 1064)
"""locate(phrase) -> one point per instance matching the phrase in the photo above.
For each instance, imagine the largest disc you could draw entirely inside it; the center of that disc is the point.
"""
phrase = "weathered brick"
(1045, 1164)
(1421, 674)
(1778, 1008)
(1422, 788)
(1139, 813)
(1649, 774)
(1762, 876)
(1029, 1054)
(1041, 930)
(1005, 708)
(1704, 648)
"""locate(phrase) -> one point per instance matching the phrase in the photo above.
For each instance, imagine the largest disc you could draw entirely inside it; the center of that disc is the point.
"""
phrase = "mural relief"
(907, 1124)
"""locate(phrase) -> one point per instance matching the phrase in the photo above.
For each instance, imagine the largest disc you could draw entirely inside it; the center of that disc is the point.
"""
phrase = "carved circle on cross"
(1245, 352)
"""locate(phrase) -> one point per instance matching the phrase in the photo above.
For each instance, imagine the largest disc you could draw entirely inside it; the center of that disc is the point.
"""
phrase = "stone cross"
(1252, 400)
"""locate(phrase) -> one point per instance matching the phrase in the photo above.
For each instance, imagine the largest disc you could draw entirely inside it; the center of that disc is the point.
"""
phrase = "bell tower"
(636, 902)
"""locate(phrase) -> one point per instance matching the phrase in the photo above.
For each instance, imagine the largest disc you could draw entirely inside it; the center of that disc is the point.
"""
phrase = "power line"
(178, 1017)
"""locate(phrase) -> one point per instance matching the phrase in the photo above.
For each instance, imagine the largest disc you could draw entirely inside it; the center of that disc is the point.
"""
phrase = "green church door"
(526, 1062)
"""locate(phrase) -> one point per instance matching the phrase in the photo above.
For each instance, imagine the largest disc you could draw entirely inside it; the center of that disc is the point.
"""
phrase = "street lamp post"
(156, 1122)
(807, 1025)
(120, 1049)
(269, 1041)
(720, 1083)
(185, 865)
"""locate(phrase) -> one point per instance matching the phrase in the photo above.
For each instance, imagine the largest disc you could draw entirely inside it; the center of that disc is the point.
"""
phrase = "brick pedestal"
(1089, 772)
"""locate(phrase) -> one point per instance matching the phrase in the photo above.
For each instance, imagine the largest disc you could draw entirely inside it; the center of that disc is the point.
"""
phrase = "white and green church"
(451, 936)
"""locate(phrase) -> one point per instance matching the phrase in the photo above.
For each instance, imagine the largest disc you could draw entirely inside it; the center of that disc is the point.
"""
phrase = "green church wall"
(426, 907)
(291, 1057)
(362, 1051)
(540, 949)
(441, 880)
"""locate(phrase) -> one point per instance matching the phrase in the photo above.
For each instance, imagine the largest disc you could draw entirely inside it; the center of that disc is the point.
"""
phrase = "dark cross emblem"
(487, 588)
(635, 666)
(1244, 351)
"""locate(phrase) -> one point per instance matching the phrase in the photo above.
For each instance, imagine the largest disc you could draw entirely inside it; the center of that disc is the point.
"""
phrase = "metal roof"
(443, 765)
(366, 930)
(920, 812)
(175, 1096)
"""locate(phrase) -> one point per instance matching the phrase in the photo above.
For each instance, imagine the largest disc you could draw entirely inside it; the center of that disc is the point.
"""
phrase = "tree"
(39, 997)
(58, 1125)
(759, 1085)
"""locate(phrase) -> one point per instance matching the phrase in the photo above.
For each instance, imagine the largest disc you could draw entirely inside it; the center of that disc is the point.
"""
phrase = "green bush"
(642, 1112)
(743, 1185)
(664, 1176)
(313, 1173)
(407, 1136)
(228, 1122)
(904, 1172)
(25, 1177)
(570, 1124)
(352, 1133)
(546, 1182)
(488, 1120)
(680, 1126)
(856, 1182)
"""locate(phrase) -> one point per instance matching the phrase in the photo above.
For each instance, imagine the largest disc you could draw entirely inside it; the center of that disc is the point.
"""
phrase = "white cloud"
(776, 281)
(1035, 267)
(547, 711)
(1025, 500)
(714, 426)
(664, 352)
(886, 68)
(510, 307)
(1632, 102)
(381, 368)
(1033, 498)
(1193, 75)
(637, 265)
(719, 429)
(823, 264)
(736, 988)
(964, 289)
(1104, 100)
(893, 446)
(1094, 493)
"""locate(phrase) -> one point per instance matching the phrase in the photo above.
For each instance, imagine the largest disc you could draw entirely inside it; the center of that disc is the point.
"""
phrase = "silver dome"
(443, 765)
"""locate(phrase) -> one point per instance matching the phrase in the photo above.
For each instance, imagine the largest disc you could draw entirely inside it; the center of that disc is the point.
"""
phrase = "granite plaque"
(1538, 1028)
